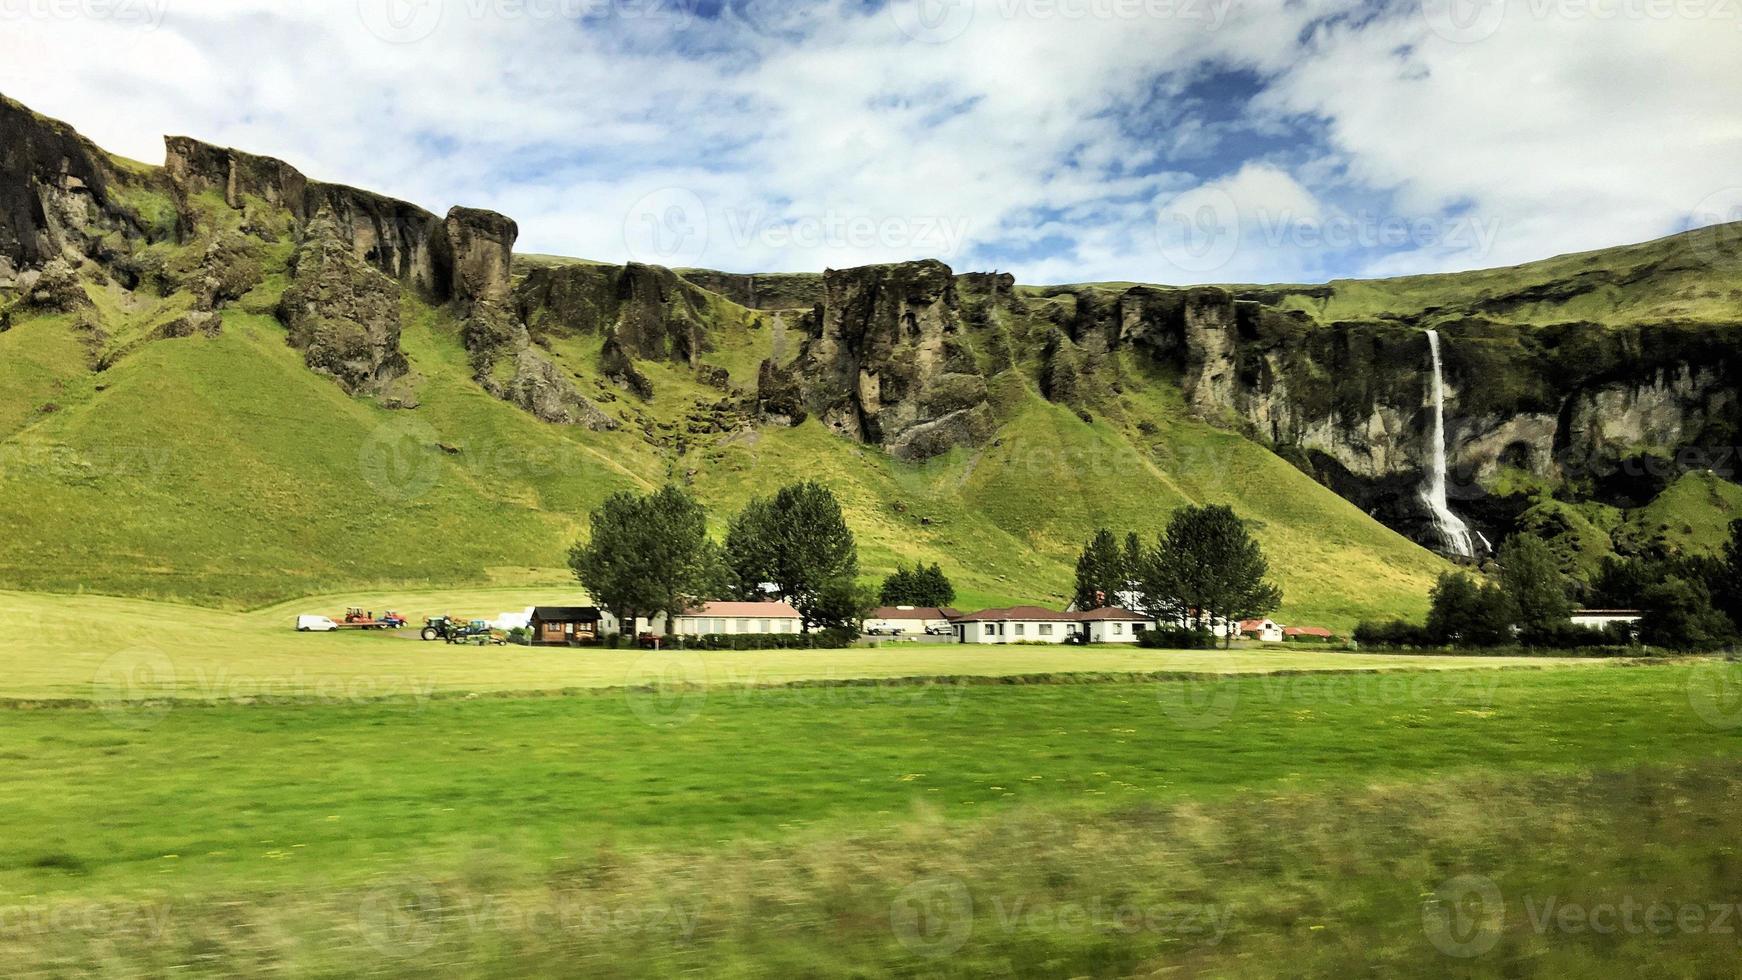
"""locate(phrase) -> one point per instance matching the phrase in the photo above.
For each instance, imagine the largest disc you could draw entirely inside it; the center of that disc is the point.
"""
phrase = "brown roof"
(1306, 631)
(909, 612)
(1109, 614)
(1029, 613)
(727, 610)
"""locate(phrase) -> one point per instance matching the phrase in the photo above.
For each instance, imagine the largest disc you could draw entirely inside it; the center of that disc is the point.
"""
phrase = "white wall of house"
(1115, 631)
(904, 625)
(1014, 631)
(698, 625)
(1597, 619)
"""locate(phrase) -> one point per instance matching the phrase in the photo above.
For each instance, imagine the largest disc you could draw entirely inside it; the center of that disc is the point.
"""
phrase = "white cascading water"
(1451, 527)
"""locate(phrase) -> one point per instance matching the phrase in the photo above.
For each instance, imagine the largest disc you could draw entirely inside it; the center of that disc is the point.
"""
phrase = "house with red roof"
(909, 620)
(1037, 624)
(1264, 630)
(724, 617)
(1307, 633)
(1112, 624)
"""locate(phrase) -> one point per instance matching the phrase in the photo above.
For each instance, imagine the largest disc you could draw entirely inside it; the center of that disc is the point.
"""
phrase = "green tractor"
(455, 630)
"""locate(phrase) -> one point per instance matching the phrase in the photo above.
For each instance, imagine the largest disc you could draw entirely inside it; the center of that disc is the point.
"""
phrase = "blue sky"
(1063, 140)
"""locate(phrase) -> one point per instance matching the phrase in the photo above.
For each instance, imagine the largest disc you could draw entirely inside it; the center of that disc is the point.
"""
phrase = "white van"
(315, 624)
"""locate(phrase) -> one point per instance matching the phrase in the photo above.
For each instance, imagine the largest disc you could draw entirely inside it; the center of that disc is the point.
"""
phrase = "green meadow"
(835, 828)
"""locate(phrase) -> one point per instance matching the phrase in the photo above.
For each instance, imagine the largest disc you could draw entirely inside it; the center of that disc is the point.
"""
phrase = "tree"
(1213, 567)
(1729, 592)
(1453, 608)
(799, 542)
(1101, 572)
(647, 554)
(1534, 582)
(921, 586)
(842, 603)
(1677, 613)
(608, 563)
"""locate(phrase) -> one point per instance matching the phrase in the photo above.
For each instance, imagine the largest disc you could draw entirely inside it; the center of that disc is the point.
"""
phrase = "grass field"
(896, 828)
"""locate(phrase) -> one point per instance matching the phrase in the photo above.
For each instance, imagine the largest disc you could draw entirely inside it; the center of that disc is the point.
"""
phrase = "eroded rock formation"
(342, 313)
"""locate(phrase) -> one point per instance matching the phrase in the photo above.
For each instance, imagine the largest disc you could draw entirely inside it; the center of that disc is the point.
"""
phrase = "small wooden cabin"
(565, 625)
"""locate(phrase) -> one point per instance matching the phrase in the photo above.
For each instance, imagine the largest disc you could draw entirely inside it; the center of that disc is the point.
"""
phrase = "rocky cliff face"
(1569, 404)
(342, 313)
(655, 314)
(58, 195)
(885, 364)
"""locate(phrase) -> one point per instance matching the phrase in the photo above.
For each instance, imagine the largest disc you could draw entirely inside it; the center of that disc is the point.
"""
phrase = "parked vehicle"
(359, 619)
(943, 629)
(315, 624)
(884, 631)
(455, 631)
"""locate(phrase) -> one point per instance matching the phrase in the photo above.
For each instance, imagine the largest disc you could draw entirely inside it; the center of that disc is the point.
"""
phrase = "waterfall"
(1452, 529)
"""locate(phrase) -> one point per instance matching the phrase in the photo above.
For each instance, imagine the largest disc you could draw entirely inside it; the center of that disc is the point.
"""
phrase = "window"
(1139, 627)
(1045, 629)
(1020, 627)
(762, 626)
(1118, 629)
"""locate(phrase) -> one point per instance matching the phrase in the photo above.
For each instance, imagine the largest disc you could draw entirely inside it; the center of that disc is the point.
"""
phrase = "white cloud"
(826, 135)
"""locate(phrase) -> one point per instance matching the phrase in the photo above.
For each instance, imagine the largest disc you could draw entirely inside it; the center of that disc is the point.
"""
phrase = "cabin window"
(1045, 629)
(1118, 629)
(1020, 627)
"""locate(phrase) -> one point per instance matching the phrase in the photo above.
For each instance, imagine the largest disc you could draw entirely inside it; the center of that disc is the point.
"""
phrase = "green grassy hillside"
(1695, 276)
(222, 471)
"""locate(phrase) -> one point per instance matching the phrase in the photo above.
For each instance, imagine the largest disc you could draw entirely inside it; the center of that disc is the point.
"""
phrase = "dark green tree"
(1728, 594)
(1677, 613)
(842, 603)
(798, 542)
(1101, 572)
(1491, 626)
(1533, 580)
(923, 585)
(1454, 606)
(1214, 568)
(646, 555)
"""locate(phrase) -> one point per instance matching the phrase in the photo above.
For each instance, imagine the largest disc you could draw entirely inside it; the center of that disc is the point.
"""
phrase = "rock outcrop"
(761, 291)
(656, 314)
(477, 251)
(884, 363)
(57, 194)
(342, 313)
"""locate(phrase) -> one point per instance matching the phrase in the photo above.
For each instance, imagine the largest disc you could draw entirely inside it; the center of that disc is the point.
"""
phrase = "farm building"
(1264, 630)
(1112, 625)
(908, 619)
(1016, 624)
(722, 617)
(1599, 618)
(1307, 634)
(564, 625)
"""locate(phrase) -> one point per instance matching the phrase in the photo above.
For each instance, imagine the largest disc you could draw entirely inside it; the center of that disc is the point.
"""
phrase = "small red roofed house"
(1309, 634)
(1264, 630)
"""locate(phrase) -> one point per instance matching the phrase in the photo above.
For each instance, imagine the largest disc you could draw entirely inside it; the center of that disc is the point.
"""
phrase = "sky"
(1169, 141)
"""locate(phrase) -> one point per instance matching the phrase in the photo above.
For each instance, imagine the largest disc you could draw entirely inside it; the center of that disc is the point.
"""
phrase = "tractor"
(454, 630)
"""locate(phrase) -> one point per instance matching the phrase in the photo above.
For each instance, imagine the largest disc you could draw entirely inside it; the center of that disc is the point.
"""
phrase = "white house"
(1264, 630)
(1112, 625)
(1599, 618)
(908, 620)
(1017, 624)
(721, 617)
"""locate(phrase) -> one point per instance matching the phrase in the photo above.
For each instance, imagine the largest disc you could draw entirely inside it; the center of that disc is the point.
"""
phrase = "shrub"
(1176, 638)
(1393, 633)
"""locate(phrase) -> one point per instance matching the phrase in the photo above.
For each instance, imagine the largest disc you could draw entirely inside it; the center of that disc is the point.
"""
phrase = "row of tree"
(650, 555)
(1686, 602)
(1203, 568)
(919, 586)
